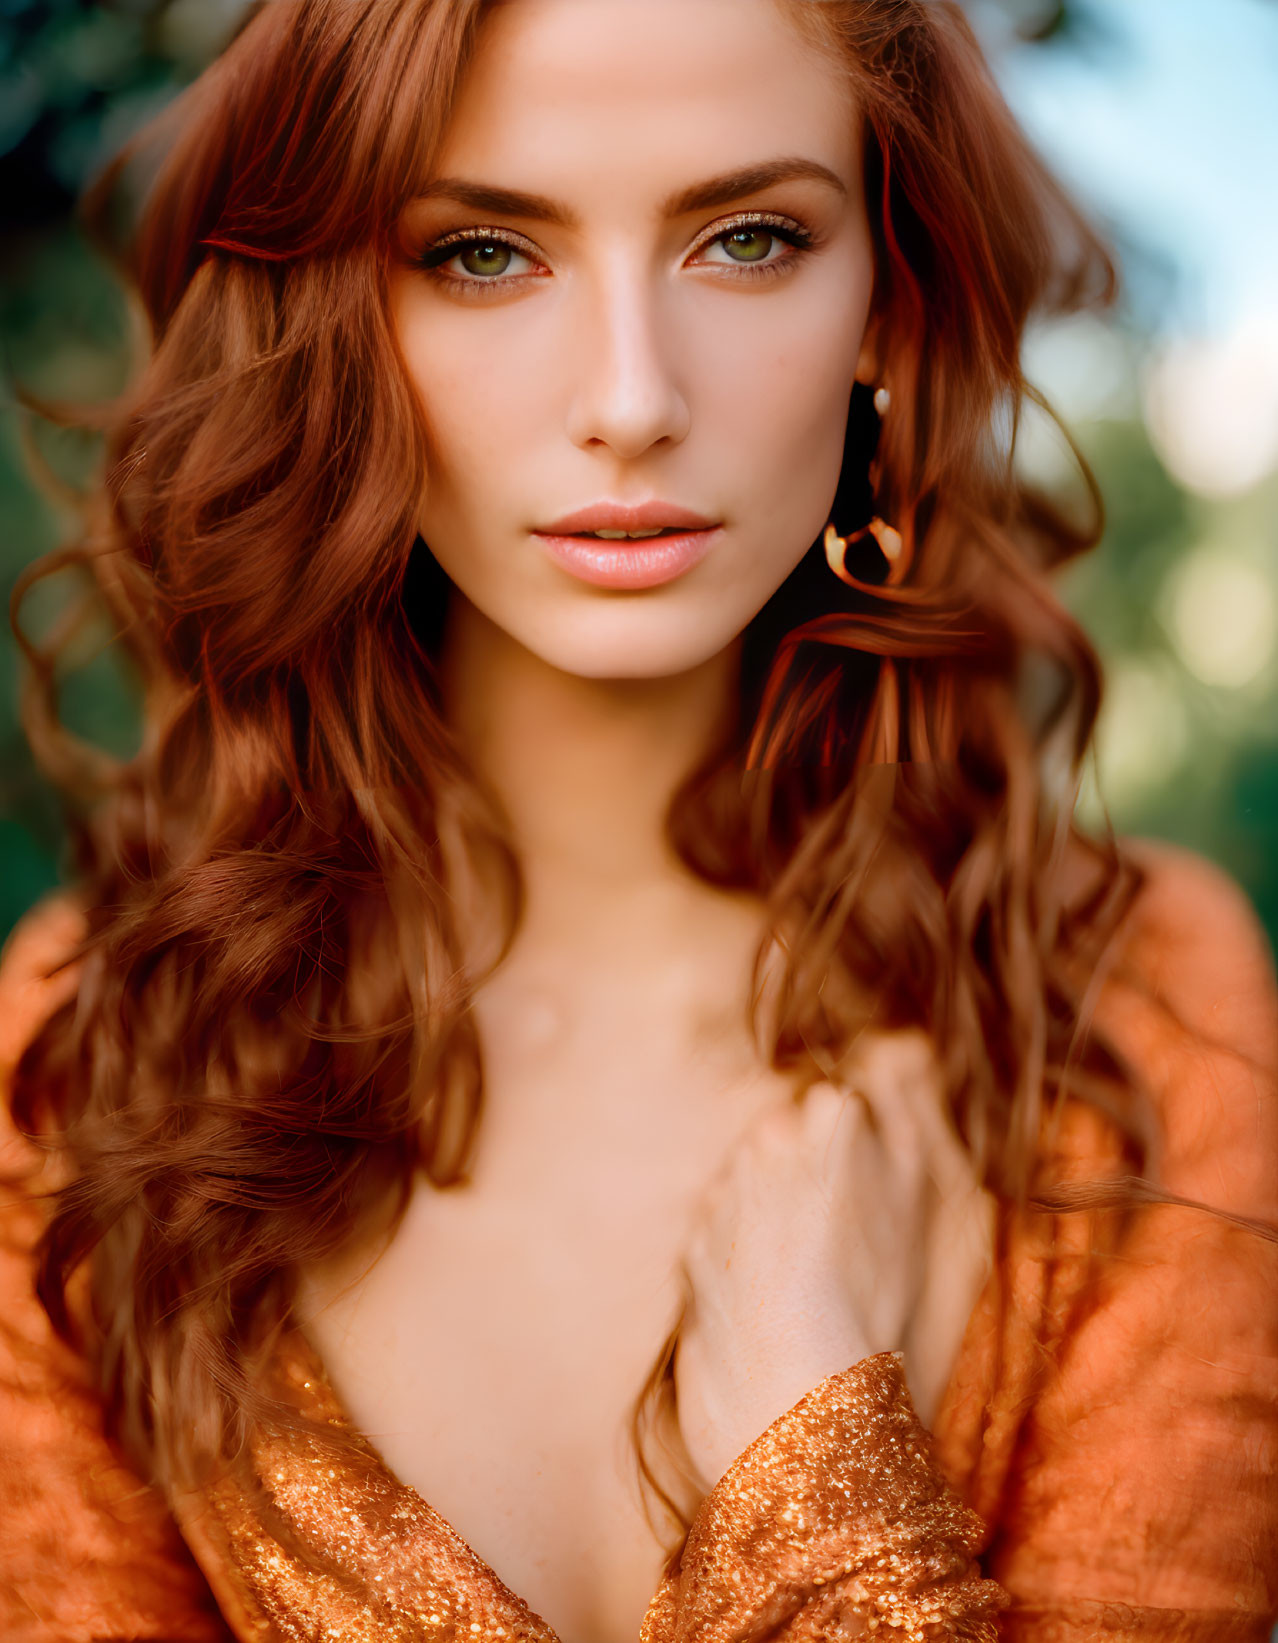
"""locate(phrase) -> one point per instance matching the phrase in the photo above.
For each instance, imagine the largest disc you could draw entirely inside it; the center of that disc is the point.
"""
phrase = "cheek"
(780, 411)
(473, 414)
(787, 412)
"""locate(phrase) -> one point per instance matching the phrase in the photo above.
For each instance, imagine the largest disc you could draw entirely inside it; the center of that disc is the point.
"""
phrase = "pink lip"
(629, 564)
(623, 516)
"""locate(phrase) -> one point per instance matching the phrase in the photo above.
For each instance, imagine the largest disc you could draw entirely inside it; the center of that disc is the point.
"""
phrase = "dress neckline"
(335, 1538)
(390, 1537)
(301, 1373)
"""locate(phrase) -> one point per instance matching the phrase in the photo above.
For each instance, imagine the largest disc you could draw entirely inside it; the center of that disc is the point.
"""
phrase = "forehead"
(636, 96)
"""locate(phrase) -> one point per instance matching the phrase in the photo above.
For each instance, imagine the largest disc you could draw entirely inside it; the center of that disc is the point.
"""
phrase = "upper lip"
(632, 516)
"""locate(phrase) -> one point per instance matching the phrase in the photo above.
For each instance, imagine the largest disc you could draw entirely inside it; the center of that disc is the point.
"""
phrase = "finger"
(832, 1114)
(907, 1092)
(960, 1259)
(950, 1163)
(903, 1144)
(841, 1145)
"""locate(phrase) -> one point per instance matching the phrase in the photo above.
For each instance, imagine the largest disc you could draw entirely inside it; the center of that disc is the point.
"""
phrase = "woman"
(835, 1092)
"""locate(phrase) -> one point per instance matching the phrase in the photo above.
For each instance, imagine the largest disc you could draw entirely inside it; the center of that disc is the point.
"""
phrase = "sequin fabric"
(834, 1523)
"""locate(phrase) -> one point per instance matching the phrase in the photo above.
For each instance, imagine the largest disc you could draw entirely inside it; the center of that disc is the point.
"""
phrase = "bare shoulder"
(41, 940)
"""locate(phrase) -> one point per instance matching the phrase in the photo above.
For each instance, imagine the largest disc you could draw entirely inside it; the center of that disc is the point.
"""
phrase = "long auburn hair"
(271, 1033)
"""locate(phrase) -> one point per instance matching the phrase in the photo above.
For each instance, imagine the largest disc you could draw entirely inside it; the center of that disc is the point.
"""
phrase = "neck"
(585, 768)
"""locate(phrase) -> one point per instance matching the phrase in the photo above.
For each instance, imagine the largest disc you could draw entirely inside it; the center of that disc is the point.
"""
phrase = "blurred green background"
(1162, 115)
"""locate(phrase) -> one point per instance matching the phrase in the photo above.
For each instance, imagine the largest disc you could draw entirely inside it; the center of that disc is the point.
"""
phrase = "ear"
(869, 369)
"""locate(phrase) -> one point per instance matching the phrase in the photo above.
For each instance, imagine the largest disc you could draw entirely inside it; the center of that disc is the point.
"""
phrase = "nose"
(626, 396)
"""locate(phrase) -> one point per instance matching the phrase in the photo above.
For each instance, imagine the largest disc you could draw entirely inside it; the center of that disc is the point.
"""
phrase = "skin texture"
(627, 357)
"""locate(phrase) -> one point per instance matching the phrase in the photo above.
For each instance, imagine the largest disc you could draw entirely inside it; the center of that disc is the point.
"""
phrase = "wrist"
(756, 1383)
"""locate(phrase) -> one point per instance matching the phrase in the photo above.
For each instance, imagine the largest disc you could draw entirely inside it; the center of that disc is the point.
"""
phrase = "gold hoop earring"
(890, 542)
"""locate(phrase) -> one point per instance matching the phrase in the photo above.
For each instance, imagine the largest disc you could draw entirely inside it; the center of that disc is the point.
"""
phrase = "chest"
(494, 1353)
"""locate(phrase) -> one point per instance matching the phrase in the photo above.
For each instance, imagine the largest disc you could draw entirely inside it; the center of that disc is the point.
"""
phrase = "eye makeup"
(432, 260)
(768, 225)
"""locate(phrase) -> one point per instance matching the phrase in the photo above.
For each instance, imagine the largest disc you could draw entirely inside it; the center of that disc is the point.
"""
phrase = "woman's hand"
(842, 1226)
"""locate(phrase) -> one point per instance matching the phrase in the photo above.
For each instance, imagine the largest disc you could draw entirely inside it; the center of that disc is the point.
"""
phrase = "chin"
(643, 641)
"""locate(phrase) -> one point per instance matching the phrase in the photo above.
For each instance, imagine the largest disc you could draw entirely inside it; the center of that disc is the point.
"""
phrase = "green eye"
(748, 244)
(486, 257)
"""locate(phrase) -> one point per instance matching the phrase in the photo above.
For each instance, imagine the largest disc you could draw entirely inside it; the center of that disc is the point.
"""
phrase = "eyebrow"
(702, 196)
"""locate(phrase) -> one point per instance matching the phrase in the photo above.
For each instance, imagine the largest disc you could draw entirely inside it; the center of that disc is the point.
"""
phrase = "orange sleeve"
(87, 1550)
(1143, 1493)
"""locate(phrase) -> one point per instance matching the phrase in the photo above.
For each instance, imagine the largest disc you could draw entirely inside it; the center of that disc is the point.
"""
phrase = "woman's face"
(651, 325)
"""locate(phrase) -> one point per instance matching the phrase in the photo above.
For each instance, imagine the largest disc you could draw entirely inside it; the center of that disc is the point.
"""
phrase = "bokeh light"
(1144, 737)
(1222, 617)
(1211, 404)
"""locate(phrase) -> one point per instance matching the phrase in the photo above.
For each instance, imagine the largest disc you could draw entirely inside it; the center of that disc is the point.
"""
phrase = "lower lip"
(643, 564)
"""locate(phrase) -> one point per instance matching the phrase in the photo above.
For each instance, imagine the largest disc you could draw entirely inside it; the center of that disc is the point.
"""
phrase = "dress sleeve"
(835, 1523)
(87, 1550)
(1142, 1496)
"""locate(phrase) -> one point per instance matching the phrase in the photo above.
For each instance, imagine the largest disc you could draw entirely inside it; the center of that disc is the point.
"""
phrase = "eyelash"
(433, 259)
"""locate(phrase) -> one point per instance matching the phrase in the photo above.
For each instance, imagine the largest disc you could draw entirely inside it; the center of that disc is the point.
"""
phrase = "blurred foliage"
(76, 78)
(1179, 757)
